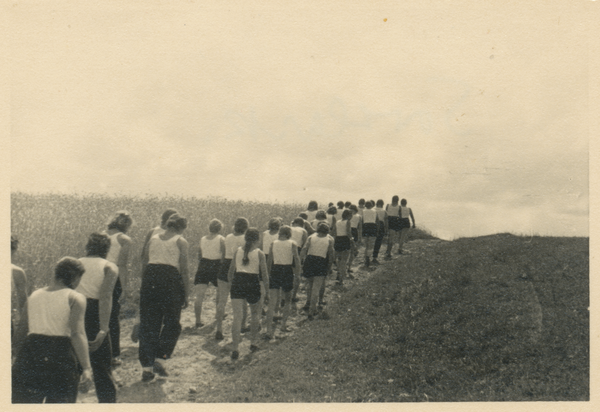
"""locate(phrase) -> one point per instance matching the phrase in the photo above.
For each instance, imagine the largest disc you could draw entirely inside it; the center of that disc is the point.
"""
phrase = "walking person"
(97, 285)
(52, 341)
(370, 224)
(317, 255)
(163, 294)
(120, 244)
(394, 227)
(382, 225)
(299, 236)
(405, 214)
(249, 279)
(343, 245)
(211, 254)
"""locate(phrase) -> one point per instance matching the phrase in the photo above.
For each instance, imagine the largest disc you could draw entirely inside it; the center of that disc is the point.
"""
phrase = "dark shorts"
(354, 233)
(208, 272)
(314, 266)
(224, 270)
(282, 277)
(245, 286)
(342, 243)
(394, 223)
(404, 223)
(370, 229)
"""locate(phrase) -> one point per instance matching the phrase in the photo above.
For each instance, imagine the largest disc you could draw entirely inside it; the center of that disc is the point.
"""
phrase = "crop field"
(50, 226)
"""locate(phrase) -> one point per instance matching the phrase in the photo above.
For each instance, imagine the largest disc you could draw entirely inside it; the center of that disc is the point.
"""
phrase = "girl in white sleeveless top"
(343, 245)
(211, 255)
(283, 265)
(318, 256)
(46, 368)
(120, 244)
(233, 241)
(405, 214)
(164, 293)
(249, 279)
(394, 227)
(332, 219)
(369, 229)
(382, 225)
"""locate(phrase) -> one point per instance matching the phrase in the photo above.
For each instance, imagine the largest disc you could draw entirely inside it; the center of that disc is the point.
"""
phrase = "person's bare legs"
(223, 294)
(403, 237)
(236, 324)
(273, 296)
(287, 297)
(342, 261)
(316, 286)
(200, 291)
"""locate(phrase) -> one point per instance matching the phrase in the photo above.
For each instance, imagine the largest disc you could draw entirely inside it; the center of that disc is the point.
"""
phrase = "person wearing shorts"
(248, 276)
(382, 224)
(343, 245)
(369, 229)
(317, 255)
(394, 226)
(405, 214)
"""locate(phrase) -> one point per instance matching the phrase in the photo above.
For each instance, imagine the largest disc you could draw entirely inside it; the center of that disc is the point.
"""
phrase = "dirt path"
(199, 359)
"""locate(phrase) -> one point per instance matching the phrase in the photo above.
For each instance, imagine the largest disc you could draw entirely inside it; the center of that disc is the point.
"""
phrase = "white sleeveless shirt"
(355, 221)
(318, 245)
(369, 216)
(282, 252)
(49, 312)
(164, 252)
(267, 240)
(115, 248)
(211, 248)
(92, 279)
(381, 213)
(340, 227)
(298, 235)
(232, 243)
(393, 211)
(404, 211)
(253, 267)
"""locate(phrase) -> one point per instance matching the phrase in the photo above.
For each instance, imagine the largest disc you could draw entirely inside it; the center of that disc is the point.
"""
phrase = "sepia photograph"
(284, 202)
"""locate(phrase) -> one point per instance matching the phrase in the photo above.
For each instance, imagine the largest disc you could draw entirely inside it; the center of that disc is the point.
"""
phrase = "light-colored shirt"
(49, 312)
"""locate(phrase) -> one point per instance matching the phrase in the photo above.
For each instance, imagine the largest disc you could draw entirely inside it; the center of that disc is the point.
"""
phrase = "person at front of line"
(249, 280)
(163, 294)
(52, 341)
(405, 214)
(120, 244)
(97, 285)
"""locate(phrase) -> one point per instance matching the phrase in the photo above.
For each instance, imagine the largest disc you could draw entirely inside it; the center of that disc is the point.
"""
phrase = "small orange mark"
(384, 19)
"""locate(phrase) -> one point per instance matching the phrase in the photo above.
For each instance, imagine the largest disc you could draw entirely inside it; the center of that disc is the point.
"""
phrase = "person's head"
(354, 209)
(330, 204)
(165, 216)
(395, 200)
(361, 203)
(285, 232)
(177, 223)
(14, 244)
(380, 203)
(403, 202)
(68, 271)
(340, 204)
(332, 210)
(346, 214)
(348, 204)
(369, 205)
(298, 222)
(121, 221)
(274, 224)
(241, 225)
(323, 228)
(251, 237)
(321, 215)
(312, 205)
(215, 226)
(98, 245)
(303, 216)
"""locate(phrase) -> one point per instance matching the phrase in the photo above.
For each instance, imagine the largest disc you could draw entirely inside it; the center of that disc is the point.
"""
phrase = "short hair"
(330, 204)
(361, 202)
(347, 204)
(346, 214)
(241, 225)
(14, 243)
(98, 245)
(321, 215)
(177, 222)
(313, 205)
(121, 221)
(68, 269)
(215, 226)
(395, 199)
(303, 215)
(298, 221)
(403, 202)
(369, 204)
(332, 210)
(274, 224)
(166, 215)
(286, 231)
(340, 204)
(380, 203)
(323, 228)
(354, 208)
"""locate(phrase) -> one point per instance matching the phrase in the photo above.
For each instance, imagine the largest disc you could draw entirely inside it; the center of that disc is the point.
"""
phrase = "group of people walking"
(67, 334)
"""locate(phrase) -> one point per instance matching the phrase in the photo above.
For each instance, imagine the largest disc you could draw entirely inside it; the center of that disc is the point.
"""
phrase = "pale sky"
(477, 114)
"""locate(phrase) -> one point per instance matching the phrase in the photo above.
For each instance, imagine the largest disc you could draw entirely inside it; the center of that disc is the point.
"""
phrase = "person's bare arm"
(232, 267)
(125, 242)
(223, 249)
(270, 259)
(263, 269)
(296, 257)
(105, 304)
(145, 253)
(20, 332)
(183, 266)
(21, 288)
(330, 255)
(304, 250)
(78, 336)
(412, 217)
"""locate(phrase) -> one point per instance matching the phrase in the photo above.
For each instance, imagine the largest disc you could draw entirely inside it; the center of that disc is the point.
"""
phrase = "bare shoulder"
(112, 267)
(124, 239)
(76, 298)
(18, 273)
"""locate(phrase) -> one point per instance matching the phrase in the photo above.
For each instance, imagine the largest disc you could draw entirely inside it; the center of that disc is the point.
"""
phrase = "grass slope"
(495, 318)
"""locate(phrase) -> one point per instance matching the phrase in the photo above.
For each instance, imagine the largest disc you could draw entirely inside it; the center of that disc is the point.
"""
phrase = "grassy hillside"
(495, 318)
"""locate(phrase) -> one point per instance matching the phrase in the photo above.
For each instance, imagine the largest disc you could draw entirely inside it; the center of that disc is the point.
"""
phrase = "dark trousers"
(46, 369)
(378, 239)
(115, 328)
(161, 297)
(101, 359)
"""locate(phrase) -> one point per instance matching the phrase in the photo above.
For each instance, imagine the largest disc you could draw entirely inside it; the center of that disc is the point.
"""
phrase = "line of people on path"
(59, 337)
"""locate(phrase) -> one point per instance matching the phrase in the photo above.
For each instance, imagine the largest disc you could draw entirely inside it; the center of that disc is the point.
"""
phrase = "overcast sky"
(477, 114)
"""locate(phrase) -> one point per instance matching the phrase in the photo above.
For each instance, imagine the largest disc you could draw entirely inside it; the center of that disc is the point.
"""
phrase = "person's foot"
(234, 355)
(219, 335)
(375, 261)
(305, 308)
(285, 329)
(350, 270)
(388, 256)
(199, 325)
(116, 361)
(159, 370)
(278, 317)
(245, 329)
(367, 261)
(253, 348)
(267, 336)
(147, 376)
